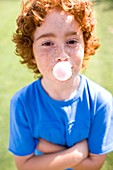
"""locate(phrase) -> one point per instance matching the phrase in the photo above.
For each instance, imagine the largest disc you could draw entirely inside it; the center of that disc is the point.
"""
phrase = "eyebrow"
(53, 35)
(46, 35)
(71, 33)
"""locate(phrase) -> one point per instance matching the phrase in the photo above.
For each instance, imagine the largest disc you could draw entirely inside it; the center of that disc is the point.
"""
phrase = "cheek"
(44, 60)
(49, 55)
(80, 55)
(77, 56)
(78, 61)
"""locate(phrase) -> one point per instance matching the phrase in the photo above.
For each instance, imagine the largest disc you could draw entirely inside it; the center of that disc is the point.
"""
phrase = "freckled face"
(59, 38)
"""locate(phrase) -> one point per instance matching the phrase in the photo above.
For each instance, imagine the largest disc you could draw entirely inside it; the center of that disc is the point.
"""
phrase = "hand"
(62, 157)
(79, 152)
(48, 147)
(82, 148)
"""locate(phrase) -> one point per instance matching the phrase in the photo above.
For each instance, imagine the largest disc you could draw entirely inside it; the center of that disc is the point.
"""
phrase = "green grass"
(13, 75)
(101, 65)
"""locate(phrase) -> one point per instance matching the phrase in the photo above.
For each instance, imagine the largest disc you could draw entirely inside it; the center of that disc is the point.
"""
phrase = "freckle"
(56, 51)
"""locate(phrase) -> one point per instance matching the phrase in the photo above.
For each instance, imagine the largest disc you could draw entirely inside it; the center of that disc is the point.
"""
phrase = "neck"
(61, 90)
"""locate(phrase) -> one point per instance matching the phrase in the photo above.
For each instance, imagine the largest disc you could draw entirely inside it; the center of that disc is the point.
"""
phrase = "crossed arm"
(90, 162)
(59, 158)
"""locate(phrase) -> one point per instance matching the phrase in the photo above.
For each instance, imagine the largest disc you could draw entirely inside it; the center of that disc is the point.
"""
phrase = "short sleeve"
(21, 141)
(101, 134)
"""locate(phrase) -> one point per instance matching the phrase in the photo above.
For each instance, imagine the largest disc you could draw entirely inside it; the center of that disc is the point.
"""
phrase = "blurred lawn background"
(14, 76)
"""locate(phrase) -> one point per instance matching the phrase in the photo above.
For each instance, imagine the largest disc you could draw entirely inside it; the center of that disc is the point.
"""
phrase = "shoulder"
(96, 92)
(26, 92)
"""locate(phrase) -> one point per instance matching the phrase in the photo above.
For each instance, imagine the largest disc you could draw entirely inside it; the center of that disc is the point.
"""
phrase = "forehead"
(58, 21)
(58, 17)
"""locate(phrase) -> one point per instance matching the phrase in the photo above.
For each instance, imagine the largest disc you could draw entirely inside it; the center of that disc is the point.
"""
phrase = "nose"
(62, 56)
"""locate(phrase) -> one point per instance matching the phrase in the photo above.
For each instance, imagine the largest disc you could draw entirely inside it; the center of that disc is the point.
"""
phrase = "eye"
(71, 42)
(48, 43)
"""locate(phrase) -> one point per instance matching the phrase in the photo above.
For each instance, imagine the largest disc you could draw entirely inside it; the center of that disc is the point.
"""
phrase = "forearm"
(91, 163)
(47, 147)
(57, 161)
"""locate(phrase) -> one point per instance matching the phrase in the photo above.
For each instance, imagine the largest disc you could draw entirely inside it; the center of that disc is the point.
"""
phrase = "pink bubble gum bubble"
(62, 71)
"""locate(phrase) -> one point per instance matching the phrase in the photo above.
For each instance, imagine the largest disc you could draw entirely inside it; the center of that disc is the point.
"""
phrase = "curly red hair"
(32, 15)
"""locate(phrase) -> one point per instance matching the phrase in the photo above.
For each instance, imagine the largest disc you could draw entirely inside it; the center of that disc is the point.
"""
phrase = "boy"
(62, 120)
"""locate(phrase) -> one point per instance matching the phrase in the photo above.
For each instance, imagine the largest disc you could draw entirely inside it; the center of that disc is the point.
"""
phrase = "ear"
(34, 61)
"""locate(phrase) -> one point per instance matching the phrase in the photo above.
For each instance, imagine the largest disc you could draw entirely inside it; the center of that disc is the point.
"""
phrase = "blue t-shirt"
(88, 115)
